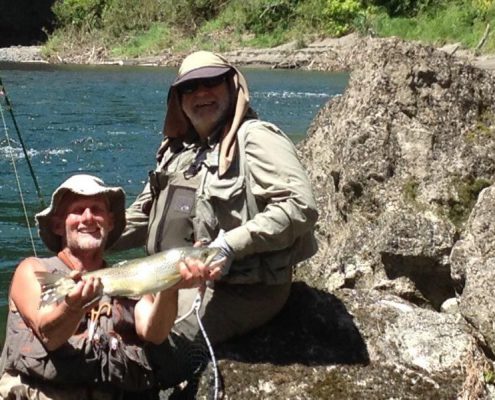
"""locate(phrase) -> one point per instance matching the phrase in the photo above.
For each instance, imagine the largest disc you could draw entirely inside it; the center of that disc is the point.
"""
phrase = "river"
(107, 121)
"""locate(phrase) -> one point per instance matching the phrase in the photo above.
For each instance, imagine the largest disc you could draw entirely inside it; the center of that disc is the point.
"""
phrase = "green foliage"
(153, 40)
(189, 15)
(265, 16)
(84, 14)
(410, 190)
(395, 8)
(340, 15)
(142, 25)
(483, 6)
(467, 193)
(459, 21)
(484, 128)
(489, 376)
(309, 15)
(122, 17)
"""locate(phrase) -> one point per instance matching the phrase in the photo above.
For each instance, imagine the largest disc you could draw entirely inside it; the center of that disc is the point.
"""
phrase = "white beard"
(87, 242)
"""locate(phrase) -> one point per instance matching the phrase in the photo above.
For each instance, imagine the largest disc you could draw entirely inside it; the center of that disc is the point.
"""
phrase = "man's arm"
(56, 323)
(155, 314)
(136, 229)
(278, 178)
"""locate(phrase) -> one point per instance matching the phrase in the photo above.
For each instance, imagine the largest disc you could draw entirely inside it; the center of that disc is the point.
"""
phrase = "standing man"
(87, 346)
(226, 178)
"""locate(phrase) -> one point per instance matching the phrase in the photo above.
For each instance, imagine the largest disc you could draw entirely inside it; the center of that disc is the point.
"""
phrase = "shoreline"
(330, 55)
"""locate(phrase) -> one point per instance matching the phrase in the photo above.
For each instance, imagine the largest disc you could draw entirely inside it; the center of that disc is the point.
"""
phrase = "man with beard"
(88, 346)
(227, 179)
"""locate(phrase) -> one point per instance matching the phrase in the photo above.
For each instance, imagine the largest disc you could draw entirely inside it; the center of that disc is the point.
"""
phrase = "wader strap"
(3, 358)
(158, 182)
(252, 206)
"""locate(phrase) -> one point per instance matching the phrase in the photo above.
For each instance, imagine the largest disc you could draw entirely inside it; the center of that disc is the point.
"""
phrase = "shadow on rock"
(314, 328)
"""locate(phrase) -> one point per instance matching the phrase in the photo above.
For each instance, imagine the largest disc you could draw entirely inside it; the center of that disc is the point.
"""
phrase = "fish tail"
(54, 286)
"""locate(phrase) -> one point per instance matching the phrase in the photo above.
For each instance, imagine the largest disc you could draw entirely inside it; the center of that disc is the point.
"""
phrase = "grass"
(453, 24)
(152, 41)
(185, 29)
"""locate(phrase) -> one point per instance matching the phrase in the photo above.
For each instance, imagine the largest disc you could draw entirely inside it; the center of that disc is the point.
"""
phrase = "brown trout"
(130, 278)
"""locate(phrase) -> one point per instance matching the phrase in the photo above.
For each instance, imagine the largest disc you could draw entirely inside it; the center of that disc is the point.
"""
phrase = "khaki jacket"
(267, 168)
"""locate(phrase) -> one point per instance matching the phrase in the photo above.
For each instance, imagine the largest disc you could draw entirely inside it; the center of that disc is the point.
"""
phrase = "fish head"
(204, 254)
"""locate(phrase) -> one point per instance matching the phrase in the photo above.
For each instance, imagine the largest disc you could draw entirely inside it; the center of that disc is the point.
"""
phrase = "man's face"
(205, 102)
(85, 222)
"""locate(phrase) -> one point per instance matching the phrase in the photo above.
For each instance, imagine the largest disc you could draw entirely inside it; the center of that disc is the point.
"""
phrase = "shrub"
(83, 14)
(340, 15)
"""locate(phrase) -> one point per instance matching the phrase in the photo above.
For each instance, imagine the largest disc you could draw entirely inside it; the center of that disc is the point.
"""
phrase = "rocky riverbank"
(331, 54)
(21, 54)
(399, 302)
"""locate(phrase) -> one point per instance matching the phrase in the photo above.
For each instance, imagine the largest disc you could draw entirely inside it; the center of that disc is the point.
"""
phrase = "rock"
(473, 267)
(450, 306)
(28, 54)
(352, 345)
(396, 164)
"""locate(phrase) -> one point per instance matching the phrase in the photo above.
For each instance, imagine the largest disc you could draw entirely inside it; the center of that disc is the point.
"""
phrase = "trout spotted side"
(128, 278)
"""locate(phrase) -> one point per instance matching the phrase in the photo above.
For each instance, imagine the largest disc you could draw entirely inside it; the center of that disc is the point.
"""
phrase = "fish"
(129, 278)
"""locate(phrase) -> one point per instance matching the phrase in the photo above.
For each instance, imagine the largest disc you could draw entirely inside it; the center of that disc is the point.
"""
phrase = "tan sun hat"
(84, 185)
(201, 64)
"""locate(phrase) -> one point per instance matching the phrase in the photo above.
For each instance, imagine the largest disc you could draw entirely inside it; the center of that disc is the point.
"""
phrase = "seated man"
(86, 346)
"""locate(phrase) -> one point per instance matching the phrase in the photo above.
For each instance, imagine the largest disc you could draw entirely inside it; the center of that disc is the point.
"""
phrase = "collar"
(66, 260)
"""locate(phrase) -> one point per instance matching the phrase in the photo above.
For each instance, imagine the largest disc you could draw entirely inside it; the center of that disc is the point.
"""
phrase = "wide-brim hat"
(201, 64)
(83, 185)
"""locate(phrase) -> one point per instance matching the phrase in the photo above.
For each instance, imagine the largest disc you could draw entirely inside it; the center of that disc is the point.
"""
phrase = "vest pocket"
(66, 365)
(225, 188)
(223, 203)
(128, 367)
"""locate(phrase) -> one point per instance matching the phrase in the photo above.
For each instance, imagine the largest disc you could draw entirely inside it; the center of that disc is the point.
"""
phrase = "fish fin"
(120, 264)
(54, 286)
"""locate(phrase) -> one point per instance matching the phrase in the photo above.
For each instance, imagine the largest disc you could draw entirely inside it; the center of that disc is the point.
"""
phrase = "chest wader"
(173, 209)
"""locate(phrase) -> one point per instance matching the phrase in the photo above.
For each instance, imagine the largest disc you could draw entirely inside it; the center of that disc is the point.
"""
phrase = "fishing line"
(11, 151)
(196, 306)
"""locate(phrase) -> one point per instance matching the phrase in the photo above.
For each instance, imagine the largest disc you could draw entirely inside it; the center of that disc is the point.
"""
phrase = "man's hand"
(222, 262)
(85, 294)
(194, 273)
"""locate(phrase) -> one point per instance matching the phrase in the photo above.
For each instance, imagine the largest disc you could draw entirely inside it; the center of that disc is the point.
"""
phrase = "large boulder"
(397, 162)
(473, 267)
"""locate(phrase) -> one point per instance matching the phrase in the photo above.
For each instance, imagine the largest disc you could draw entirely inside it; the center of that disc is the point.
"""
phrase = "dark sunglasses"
(193, 85)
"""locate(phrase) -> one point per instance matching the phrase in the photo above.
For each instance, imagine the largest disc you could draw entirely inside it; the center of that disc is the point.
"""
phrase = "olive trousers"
(227, 310)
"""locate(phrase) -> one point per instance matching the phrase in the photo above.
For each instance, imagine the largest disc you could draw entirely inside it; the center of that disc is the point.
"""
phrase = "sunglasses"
(193, 85)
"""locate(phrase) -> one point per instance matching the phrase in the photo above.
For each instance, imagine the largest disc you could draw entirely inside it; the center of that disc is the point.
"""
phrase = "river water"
(107, 121)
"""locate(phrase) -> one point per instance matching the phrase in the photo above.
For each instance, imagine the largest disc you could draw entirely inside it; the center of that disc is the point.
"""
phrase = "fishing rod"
(3, 92)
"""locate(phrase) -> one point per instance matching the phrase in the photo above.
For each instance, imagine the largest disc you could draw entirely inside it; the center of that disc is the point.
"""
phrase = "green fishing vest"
(189, 208)
(116, 356)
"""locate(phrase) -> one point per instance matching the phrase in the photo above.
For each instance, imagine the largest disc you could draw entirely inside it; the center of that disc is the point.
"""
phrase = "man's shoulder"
(47, 263)
(257, 130)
